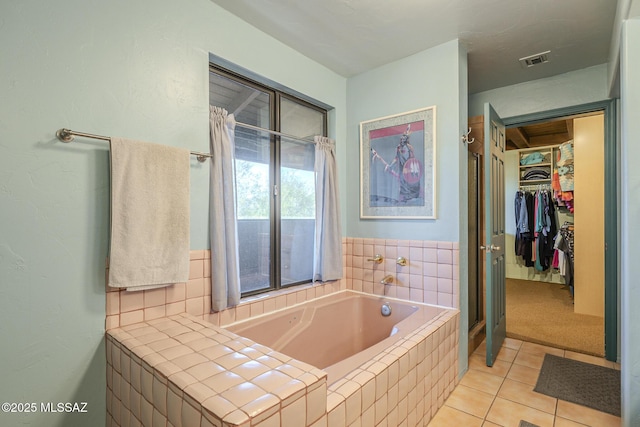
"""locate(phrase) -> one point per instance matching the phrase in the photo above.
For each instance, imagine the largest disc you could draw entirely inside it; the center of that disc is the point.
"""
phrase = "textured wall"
(431, 77)
(574, 88)
(436, 76)
(134, 69)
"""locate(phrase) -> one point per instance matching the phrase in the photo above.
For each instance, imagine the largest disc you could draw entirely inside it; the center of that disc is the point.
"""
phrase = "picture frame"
(397, 166)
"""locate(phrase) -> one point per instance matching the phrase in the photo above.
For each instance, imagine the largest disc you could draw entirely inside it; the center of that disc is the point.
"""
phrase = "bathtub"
(339, 332)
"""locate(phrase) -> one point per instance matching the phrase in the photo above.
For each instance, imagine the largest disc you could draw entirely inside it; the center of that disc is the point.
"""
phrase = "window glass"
(248, 104)
(298, 210)
(297, 183)
(253, 200)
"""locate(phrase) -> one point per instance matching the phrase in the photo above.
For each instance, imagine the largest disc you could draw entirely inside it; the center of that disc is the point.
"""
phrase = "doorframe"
(611, 235)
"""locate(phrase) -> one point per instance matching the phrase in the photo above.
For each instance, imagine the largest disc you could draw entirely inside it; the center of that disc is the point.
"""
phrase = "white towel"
(149, 244)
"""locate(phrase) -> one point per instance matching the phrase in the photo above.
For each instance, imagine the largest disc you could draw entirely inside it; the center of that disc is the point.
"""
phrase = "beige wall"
(589, 215)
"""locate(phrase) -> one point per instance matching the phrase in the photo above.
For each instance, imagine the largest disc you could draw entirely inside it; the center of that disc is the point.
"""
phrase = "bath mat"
(524, 423)
(588, 385)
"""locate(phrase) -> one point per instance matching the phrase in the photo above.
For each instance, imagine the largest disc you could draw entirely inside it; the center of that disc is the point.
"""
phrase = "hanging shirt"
(522, 216)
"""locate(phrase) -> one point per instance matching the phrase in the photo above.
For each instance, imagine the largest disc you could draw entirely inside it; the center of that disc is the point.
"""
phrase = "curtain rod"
(273, 132)
(66, 135)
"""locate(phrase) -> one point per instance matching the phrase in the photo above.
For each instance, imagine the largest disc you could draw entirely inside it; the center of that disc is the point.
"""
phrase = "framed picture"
(397, 166)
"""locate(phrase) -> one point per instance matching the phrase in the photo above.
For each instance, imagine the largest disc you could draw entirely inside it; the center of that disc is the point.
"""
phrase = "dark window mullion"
(274, 180)
(275, 218)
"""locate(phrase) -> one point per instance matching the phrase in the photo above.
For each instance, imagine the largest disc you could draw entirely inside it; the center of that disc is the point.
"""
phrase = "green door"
(494, 150)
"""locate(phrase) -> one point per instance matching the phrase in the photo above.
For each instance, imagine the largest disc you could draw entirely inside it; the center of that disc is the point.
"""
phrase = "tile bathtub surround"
(126, 308)
(430, 276)
(181, 371)
(194, 297)
(418, 373)
(405, 385)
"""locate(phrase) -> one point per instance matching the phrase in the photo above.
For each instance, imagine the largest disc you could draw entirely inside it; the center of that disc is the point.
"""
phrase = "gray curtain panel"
(225, 270)
(327, 263)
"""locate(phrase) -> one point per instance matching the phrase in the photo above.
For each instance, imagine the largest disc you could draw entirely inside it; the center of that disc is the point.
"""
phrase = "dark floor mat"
(588, 385)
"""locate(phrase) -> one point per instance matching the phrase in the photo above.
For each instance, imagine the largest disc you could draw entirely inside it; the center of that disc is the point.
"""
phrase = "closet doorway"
(555, 251)
(611, 233)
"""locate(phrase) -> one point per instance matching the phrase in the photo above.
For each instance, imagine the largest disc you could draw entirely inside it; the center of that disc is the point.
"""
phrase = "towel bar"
(67, 135)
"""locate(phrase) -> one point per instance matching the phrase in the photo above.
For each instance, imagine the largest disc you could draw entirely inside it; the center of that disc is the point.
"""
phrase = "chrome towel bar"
(67, 135)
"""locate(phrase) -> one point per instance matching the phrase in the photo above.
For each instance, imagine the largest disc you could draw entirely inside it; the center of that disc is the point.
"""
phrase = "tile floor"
(503, 394)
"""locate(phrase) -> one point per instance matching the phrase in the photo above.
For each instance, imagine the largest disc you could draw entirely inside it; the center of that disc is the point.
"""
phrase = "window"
(275, 180)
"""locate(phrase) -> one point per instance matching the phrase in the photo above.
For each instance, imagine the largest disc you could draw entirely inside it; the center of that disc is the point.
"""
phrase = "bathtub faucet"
(377, 259)
(387, 279)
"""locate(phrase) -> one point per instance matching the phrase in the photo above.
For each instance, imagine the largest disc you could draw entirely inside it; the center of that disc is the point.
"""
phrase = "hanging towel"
(149, 245)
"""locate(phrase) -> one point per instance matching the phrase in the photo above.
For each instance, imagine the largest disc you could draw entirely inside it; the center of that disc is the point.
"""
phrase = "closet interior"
(555, 231)
(554, 192)
(544, 210)
(559, 178)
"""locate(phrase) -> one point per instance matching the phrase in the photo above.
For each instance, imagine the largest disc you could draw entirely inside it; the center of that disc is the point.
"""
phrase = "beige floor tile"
(563, 422)
(481, 350)
(524, 374)
(533, 348)
(499, 368)
(482, 381)
(532, 360)
(471, 401)
(520, 362)
(587, 416)
(524, 394)
(507, 354)
(508, 414)
(513, 343)
(447, 417)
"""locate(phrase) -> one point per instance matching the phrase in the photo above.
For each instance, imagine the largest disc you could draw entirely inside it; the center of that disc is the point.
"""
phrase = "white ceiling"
(354, 36)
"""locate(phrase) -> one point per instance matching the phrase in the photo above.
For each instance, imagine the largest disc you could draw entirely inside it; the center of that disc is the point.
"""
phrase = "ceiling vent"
(538, 58)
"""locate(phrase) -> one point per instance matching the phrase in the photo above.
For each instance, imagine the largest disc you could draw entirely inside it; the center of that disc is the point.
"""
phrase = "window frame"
(276, 94)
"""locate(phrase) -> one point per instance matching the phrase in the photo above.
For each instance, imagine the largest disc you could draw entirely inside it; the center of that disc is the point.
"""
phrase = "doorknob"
(490, 248)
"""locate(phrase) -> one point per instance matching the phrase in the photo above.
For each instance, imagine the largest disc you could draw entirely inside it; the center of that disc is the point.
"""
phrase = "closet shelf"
(534, 181)
(534, 165)
(547, 165)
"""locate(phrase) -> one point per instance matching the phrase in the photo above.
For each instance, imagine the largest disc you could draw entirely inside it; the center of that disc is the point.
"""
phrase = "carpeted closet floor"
(542, 313)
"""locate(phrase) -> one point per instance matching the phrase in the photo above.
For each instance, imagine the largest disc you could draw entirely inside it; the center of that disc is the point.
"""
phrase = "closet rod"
(273, 132)
(535, 187)
(66, 135)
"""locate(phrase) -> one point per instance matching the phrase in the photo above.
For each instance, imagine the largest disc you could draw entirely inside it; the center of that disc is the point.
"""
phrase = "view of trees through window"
(297, 197)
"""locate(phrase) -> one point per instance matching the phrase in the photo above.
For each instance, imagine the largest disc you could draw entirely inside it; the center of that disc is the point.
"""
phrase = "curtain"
(327, 263)
(225, 270)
